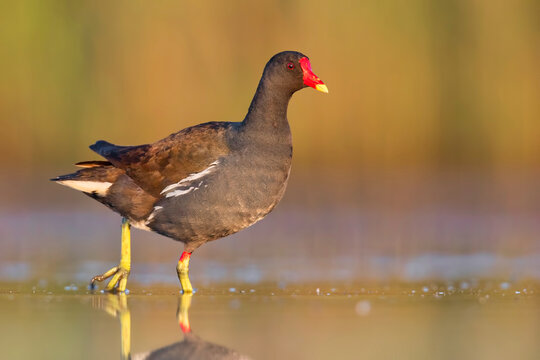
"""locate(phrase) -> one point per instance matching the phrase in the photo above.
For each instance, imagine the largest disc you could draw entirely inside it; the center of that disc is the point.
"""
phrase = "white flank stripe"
(153, 213)
(97, 187)
(140, 225)
(180, 192)
(188, 180)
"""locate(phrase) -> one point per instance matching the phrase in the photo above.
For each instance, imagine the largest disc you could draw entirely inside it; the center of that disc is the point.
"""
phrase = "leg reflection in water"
(116, 306)
(191, 347)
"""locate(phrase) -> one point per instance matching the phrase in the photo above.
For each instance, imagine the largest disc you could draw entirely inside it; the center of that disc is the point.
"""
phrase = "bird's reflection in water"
(191, 347)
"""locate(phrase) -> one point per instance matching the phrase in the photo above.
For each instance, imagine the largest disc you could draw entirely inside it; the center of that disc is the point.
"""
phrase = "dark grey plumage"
(207, 181)
(192, 347)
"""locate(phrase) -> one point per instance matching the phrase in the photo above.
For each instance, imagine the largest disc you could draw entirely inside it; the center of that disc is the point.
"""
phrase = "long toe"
(103, 276)
(118, 282)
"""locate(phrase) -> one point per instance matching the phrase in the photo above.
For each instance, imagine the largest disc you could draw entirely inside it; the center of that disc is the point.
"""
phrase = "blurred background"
(421, 163)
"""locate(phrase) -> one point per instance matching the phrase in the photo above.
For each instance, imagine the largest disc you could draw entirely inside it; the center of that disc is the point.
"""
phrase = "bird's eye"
(290, 66)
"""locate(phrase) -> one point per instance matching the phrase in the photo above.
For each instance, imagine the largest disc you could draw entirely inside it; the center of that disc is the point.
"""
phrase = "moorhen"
(206, 181)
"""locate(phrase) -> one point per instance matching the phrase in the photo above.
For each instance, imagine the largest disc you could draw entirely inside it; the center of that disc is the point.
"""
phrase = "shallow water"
(422, 321)
(374, 277)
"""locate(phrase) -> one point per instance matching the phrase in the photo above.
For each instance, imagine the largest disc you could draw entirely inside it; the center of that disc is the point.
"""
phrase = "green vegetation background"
(422, 85)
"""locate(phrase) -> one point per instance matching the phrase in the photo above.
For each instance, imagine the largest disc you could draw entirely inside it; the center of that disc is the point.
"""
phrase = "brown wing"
(155, 166)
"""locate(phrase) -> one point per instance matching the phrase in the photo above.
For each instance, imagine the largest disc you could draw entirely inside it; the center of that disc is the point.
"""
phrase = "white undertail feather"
(97, 187)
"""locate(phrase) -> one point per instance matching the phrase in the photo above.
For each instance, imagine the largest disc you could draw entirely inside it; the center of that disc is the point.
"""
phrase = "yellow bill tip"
(321, 88)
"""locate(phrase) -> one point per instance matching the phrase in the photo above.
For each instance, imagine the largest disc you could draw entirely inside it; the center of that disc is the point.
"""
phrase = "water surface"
(348, 321)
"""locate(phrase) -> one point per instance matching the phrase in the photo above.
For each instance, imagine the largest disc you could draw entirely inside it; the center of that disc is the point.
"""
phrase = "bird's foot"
(119, 279)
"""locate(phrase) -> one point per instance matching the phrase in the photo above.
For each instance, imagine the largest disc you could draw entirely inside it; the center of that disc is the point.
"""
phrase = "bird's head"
(292, 69)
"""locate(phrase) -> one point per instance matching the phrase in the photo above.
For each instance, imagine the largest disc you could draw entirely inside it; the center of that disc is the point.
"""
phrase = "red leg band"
(185, 256)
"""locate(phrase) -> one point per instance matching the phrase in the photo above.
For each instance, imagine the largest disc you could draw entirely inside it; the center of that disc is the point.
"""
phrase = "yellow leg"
(182, 313)
(119, 273)
(116, 305)
(182, 269)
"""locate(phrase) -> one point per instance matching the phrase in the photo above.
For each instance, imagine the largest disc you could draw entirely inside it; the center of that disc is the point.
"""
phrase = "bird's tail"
(95, 178)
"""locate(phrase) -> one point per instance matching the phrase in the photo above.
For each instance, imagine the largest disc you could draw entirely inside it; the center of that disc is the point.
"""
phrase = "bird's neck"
(268, 108)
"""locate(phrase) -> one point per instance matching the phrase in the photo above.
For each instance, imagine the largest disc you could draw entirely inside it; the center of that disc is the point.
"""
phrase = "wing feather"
(155, 166)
